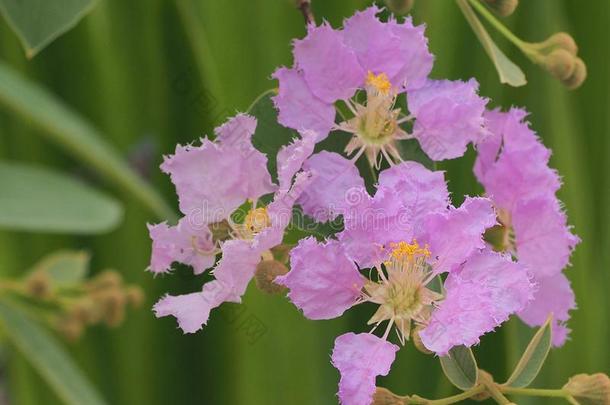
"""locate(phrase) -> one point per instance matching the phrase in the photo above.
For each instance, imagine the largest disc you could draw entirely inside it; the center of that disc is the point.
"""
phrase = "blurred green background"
(151, 73)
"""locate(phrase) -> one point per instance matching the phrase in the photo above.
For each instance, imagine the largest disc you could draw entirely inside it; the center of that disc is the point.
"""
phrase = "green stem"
(416, 400)
(534, 392)
(495, 392)
(260, 97)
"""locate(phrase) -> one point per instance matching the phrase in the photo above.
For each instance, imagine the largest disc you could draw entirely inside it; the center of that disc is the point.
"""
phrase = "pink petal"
(298, 108)
(449, 115)
(237, 267)
(543, 238)
(183, 243)
(290, 158)
(414, 54)
(333, 177)
(452, 236)
(481, 296)
(330, 68)
(360, 358)
(553, 296)
(323, 282)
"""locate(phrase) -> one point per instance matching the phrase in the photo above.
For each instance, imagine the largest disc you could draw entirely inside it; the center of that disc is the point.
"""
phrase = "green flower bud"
(384, 396)
(585, 389)
(503, 8)
(266, 272)
(560, 63)
(578, 76)
(399, 7)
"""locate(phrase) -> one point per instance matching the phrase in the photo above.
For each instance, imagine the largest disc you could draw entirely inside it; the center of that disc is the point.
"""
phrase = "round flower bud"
(107, 279)
(113, 304)
(503, 8)
(135, 296)
(384, 396)
(578, 76)
(585, 389)
(266, 272)
(560, 63)
(561, 40)
(399, 6)
(70, 327)
(38, 285)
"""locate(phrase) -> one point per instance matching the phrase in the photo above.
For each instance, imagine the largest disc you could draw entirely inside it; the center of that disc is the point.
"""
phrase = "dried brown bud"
(503, 8)
(578, 76)
(266, 272)
(38, 285)
(84, 311)
(399, 7)
(113, 305)
(560, 63)
(107, 279)
(384, 396)
(586, 389)
(135, 296)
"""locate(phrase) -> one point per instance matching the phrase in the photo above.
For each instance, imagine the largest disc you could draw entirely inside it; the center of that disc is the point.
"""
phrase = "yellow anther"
(257, 219)
(380, 82)
(408, 251)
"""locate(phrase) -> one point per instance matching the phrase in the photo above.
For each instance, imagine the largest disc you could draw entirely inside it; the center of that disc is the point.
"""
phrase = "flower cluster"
(421, 261)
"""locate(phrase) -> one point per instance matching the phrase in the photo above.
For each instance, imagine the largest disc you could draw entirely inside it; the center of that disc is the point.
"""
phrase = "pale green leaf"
(508, 71)
(68, 129)
(49, 359)
(64, 267)
(38, 22)
(41, 200)
(533, 358)
(460, 367)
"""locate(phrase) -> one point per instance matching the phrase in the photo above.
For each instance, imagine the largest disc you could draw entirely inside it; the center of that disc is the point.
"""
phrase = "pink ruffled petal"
(553, 296)
(481, 296)
(322, 281)
(414, 54)
(236, 268)
(333, 176)
(543, 238)
(449, 115)
(454, 235)
(330, 68)
(182, 243)
(421, 190)
(290, 158)
(298, 108)
(360, 358)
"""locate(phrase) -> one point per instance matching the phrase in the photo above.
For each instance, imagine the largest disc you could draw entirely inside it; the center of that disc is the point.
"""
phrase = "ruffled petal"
(449, 115)
(554, 295)
(333, 177)
(543, 238)
(290, 158)
(330, 68)
(452, 236)
(360, 358)
(323, 282)
(183, 243)
(413, 52)
(298, 108)
(420, 190)
(481, 296)
(236, 268)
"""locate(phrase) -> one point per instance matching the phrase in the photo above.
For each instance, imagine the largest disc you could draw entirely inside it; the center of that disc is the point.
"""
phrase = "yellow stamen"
(257, 219)
(408, 251)
(380, 82)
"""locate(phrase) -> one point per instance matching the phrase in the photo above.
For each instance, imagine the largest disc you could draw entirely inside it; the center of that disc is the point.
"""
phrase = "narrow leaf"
(38, 22)
(533, 358)
(41, 200)
(51, 361)
(64, 267)
(68, 129)
(508, 71)
(460, 367)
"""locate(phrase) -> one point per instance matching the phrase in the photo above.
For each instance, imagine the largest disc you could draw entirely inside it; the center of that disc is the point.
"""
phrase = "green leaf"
(65, 267)
(460, 367)
(533, 358)
(508, 71)
(45, 354)
(38, 22)
(41, 200)
(68, 129)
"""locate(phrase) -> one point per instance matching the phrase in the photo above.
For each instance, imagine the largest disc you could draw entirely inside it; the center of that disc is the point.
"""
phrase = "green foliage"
(460, 367)
(41, 200)
(38, 22)
(48, 358)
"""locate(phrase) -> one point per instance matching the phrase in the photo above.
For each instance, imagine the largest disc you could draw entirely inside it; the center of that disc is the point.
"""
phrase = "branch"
(305, 7)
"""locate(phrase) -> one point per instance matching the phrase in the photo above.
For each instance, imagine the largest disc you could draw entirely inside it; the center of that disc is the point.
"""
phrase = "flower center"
(256, 220)
(403, 295)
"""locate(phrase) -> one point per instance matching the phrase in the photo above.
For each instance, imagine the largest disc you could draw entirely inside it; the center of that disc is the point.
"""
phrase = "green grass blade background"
(131, 69)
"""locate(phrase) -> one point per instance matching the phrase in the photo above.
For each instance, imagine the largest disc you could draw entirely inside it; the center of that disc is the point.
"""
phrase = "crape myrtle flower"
(513, 166)
(368, 65)
(394, 246)
(212, 181)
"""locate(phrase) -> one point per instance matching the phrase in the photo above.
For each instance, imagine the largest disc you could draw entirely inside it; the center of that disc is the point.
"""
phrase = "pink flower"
(242, 244)
(360, 358)
(513, 166)
(384, 59)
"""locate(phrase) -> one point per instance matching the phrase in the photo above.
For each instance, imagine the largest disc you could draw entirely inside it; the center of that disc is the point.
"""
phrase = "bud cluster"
(558, 54)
